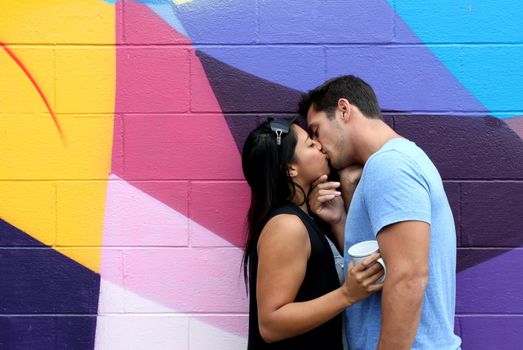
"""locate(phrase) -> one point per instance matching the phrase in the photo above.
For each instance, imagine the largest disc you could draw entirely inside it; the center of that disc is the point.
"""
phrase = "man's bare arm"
(405, 248)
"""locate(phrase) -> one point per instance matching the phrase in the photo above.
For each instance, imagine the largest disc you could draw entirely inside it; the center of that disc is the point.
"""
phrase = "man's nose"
(319, 147)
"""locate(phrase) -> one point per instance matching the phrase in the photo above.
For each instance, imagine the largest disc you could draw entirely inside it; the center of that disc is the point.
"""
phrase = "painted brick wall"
(122, 201)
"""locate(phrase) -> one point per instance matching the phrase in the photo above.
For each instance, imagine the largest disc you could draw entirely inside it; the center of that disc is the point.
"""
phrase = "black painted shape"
(473, 148)
(238, 91)
(463, 148)
(8, 239)
(492, 214)
(39, 280)
(47, 332)
(469, 258)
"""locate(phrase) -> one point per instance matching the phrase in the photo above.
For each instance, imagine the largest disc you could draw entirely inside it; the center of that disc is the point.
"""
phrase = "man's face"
(329, 133)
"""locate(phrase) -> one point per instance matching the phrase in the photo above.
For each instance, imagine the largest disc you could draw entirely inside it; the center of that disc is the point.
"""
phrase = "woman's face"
(310, 162)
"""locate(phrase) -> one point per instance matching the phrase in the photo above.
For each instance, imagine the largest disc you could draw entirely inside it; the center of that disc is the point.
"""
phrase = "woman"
(295, 294)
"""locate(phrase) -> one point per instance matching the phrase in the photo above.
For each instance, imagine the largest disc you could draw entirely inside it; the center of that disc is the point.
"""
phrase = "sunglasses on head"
(280, 127)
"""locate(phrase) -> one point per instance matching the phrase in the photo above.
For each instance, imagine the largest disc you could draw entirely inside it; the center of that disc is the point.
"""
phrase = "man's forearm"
(402, 301)
(349, 178)
(338, 229)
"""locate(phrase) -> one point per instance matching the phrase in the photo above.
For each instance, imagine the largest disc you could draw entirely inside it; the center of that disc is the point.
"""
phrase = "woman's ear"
(292, 170)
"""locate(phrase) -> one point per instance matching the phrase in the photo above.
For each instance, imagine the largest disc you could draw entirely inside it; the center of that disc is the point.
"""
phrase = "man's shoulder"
(397, 155)
(389, 161)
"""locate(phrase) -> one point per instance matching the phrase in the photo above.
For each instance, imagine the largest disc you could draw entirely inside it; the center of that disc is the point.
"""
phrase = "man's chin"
(332, 167)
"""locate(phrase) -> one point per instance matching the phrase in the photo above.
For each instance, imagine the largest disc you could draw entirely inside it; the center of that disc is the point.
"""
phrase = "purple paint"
(491, 332)
(492, 214)
(492, 287)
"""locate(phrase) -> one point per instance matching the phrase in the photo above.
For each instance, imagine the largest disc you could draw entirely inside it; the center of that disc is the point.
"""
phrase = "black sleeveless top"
(320, 278)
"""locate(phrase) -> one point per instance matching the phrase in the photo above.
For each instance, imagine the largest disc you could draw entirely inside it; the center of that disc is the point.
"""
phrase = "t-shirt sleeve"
(395, 190)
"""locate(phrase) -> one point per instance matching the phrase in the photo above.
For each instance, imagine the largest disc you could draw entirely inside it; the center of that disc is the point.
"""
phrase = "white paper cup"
(361, 251)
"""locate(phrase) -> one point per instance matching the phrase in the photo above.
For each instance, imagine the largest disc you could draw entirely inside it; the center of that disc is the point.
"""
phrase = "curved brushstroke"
(37, 87)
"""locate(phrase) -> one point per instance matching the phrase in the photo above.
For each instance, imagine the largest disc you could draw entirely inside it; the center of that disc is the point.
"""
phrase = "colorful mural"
(122, 201)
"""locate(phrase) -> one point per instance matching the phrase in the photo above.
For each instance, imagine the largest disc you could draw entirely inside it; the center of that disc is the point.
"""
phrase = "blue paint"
(320, 21)
(407, 79)
(165, 10)
(491, 72)
(460, 21)
(219, 22)
(404, 82)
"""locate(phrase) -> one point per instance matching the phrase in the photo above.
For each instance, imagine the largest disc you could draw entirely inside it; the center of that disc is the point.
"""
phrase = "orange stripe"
(37, 87)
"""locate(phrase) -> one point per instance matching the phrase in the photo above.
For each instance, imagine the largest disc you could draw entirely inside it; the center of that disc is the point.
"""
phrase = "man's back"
(400, 183)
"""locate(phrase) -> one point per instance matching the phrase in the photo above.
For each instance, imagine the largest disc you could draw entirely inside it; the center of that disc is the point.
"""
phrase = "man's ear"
(292, 170)
(344, 108)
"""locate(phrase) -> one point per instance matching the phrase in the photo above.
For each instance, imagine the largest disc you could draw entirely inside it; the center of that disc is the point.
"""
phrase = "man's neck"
(374, 135)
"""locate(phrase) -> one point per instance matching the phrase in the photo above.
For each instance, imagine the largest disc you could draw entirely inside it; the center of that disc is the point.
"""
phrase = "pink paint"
(133, 218)
(179, 147)
(150, 79)
(170, 146)
(188, 279)
(516, 124)
(221, 206)
(142, 26)
(206, 280)
(159, 148)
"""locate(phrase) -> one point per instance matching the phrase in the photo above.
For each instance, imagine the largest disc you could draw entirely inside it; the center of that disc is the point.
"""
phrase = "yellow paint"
(85, 80)
(80, 222)
(57, 21)
(76, 80)
(18, 200)
(17, 93)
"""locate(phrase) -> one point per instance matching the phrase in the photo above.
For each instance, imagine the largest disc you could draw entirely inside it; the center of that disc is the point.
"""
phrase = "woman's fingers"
(372, 270)
(373, 288)
(328, 192)
(375, 277)
(364, 264)
(326, 198)
(318, 181)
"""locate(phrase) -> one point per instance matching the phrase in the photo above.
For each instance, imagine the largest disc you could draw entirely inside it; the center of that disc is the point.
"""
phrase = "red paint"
(35, 84)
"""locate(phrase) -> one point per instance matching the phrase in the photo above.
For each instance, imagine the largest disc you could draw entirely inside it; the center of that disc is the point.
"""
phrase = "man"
(401, 202)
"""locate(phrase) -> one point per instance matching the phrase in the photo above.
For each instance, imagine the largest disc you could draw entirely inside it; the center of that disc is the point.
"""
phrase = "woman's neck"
(300, 198)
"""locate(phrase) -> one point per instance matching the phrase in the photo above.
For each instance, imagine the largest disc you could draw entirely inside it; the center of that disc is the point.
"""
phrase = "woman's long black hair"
(265, 167)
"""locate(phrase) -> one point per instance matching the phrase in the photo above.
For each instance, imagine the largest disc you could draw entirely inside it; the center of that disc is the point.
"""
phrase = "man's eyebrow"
(309, 131)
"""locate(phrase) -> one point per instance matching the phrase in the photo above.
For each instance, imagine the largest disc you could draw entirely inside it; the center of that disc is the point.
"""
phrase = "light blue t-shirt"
(400, 183)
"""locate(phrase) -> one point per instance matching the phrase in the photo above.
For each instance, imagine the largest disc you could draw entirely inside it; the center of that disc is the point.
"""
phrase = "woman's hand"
(325, 200)
(360, 279)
